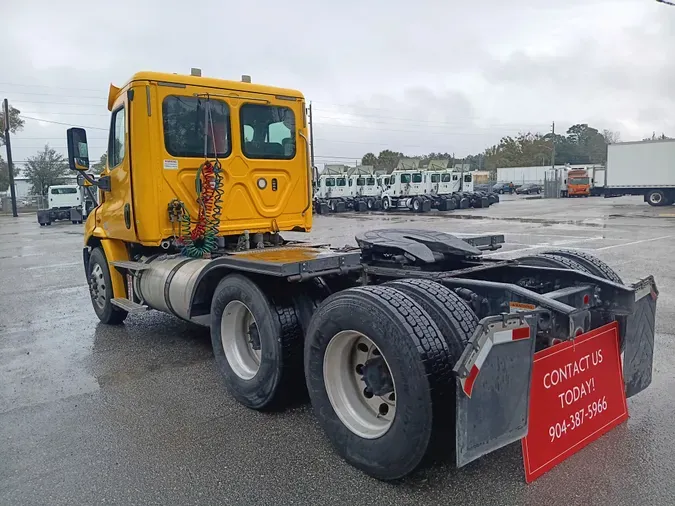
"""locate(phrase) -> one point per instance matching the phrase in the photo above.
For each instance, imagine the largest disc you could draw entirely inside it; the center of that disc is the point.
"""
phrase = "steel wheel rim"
(97, 287)
(237, 326)
(655, 198)
(367, 417)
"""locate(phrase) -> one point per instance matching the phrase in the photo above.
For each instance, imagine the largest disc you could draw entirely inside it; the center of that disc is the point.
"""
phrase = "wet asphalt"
(136, 414)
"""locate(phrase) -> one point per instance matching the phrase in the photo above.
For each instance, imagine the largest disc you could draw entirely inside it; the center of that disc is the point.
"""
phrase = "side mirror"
(78, 152)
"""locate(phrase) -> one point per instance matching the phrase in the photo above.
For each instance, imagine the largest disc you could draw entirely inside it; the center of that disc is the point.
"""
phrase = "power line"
(34, 102)
(425, 132)
(67, 113)
(49, 86)
(435, 123)
(66, 124)
(52, 94)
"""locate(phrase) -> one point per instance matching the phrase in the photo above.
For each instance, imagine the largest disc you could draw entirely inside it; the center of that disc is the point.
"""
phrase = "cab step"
(129, 265)
(129, 306)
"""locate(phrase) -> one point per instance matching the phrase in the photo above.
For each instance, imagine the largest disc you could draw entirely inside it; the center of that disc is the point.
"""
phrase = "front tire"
(100, 289)
(363, 345)
(386, 204)
(257, 343)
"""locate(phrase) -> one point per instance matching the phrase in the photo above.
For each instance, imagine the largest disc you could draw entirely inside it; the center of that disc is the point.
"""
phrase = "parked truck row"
(417, 190)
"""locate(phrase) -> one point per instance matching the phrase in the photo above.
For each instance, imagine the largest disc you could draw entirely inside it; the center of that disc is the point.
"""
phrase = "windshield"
(341, 181)
(63, 191)
(579, 180)
(360, 181)
(370, 181)
(435, 178)
(445, 178)
(330, 181)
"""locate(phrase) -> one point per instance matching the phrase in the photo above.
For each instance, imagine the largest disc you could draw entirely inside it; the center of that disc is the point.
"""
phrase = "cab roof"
(203, 82)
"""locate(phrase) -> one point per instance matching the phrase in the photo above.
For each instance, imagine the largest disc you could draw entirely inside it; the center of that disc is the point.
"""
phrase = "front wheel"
(386, 204)
(100, 289)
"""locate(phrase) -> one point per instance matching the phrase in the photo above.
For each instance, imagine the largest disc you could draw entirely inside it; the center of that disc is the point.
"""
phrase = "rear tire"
(594, 265)
(100, 289)
(370, 204)
(416, 368)
(657, 198)
(598, 268)
(257, 343)
(553, 260)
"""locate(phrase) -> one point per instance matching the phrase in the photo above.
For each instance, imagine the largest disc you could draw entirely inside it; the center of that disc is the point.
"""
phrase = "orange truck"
(578, 183)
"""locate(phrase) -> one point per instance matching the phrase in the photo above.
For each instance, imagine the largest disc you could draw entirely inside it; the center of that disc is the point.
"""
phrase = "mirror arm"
(103, 182)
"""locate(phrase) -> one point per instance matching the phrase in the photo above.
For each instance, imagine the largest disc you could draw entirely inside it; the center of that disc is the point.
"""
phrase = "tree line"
(581, 144)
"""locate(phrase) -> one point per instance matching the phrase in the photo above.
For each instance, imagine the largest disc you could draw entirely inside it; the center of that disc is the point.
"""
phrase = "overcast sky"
(411, 76)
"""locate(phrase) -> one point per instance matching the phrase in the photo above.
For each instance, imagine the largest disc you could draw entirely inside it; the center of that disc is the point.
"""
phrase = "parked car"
(482, 187)
(503, 188)
(528, 189)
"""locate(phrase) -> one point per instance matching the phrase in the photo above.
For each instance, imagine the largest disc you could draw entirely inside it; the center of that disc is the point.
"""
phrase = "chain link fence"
(27, 204)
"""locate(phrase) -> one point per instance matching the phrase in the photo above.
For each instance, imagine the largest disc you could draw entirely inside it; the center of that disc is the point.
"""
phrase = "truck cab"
(405, 183)
(578, 183)
(365, 185)
(162, 129)
(64, 197)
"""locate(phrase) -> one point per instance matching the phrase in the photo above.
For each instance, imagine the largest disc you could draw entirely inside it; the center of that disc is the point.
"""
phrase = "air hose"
(200, 237)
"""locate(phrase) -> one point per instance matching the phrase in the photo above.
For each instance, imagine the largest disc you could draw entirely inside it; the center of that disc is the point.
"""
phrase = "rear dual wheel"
(378, 363)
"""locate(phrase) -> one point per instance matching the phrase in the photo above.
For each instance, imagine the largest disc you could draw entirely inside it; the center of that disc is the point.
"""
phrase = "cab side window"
(117, 143)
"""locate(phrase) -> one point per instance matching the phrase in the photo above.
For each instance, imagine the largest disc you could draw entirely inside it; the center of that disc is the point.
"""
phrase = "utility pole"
(311, 137)
(10, 165)
(553, 141)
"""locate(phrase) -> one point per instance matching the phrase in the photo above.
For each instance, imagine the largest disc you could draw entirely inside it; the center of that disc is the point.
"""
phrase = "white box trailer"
(522, 175)
(642, 168)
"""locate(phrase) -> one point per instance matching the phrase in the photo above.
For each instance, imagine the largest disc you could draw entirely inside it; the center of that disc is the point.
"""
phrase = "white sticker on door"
(170, 164)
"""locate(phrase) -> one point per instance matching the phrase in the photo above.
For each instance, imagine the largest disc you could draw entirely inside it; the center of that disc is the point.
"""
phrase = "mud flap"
(493, 385)
(640, 328)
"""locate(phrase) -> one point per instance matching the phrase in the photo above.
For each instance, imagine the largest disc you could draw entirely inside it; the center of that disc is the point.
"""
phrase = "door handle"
(127, 215)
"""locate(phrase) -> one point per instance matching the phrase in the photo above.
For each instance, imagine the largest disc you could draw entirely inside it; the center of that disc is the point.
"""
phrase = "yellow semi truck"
(203, 177)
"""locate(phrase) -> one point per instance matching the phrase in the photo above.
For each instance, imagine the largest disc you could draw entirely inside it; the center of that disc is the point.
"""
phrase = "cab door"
(115, 214)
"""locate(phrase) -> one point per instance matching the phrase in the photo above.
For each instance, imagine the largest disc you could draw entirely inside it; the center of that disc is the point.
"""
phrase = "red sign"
(577, 395)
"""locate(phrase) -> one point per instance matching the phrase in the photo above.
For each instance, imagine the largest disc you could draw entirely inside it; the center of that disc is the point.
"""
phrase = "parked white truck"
(641, 168)
(64, 202)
